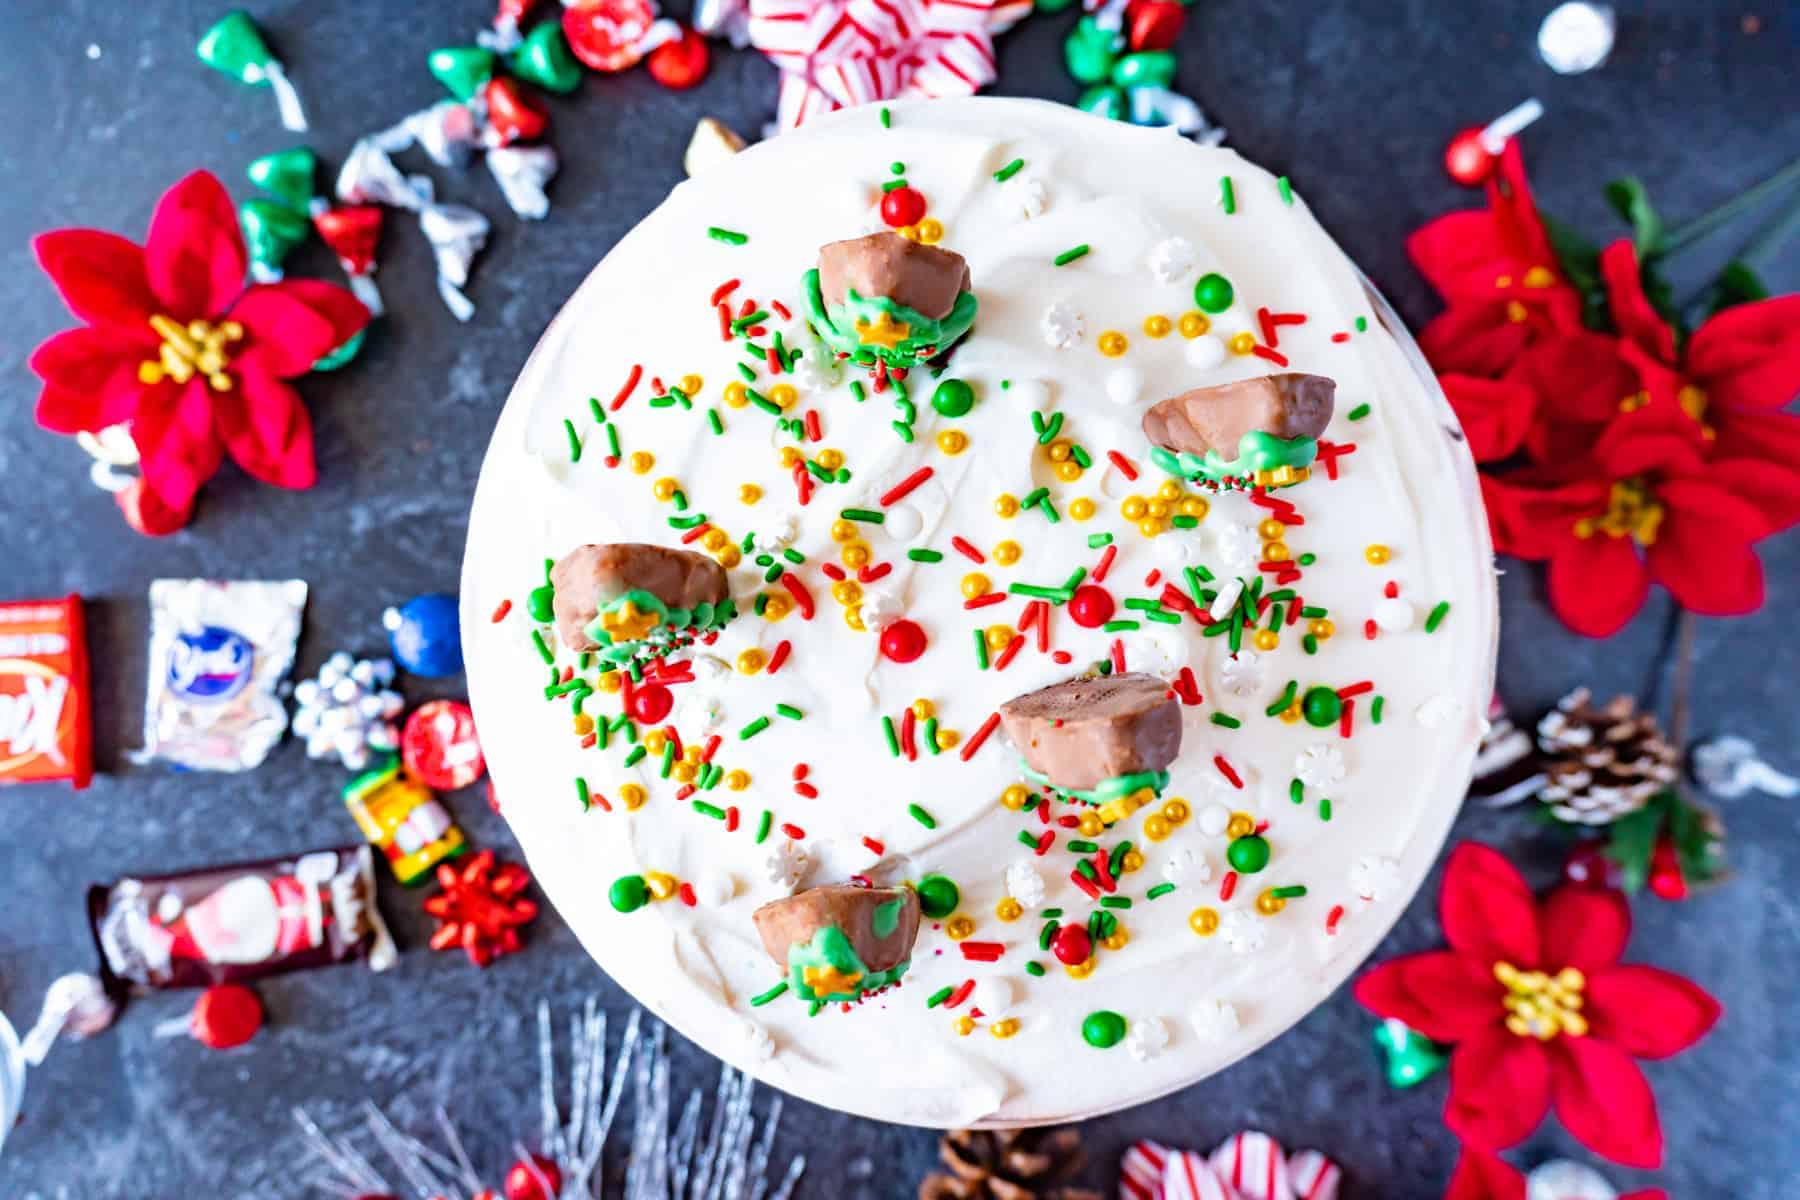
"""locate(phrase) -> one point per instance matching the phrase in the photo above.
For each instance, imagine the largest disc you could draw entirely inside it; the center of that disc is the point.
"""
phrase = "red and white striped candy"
(1313, 1176)
(1252, 1163)
(1141, 1171)
(1189, 1176)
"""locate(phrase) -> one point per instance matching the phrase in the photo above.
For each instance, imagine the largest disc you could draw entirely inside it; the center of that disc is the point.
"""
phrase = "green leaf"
(1579, 261)
(1737, 284)
(1631, 200)
(1632, 839)
(1697, 838)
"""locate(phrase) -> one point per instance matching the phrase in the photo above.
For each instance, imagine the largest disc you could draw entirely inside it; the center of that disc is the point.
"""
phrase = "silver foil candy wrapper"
(456, 232)
(522, 173)
(219, 651)
(729, 19)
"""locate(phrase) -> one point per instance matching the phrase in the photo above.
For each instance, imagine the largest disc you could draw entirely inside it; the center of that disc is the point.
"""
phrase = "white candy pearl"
(1393, 614)
(1213, 819)
(994, 996)
(1124, 385)
(1205, 352)
(903, 523)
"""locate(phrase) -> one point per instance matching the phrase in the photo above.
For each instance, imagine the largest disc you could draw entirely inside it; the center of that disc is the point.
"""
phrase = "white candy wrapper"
(218, 653)
(456, 233)
(522, 172)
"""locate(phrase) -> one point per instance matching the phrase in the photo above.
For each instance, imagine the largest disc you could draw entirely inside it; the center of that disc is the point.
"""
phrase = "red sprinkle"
(1154, 575)
(833, 572)
(1391, 590)
(1061, 658)
(1105, 564)
(1043, 628)
(1228, 885)
(1042, 808)
(905, 487)
(724, 323)
(775, 660)
(1069, 821)
(967, 551)
(686, 790)
(1274, 356)
(986, 600)
(1226, 770)
(800, 770)
(1369, 629)
(597, 798)
(589, 740)
(1105, 874)
(1081, 881)
(1126, 467)
(731, 819)
(1118, 655)
(1011, 652)
(711, 748)
(983, 951)
(960, 994)
(631, 382)
(979, 736)
(748, 308)
(813, 431)
(1347, 719)
(781, 310)
(1189, 687)
(774, 361)
(795, 832)
(500, 613)
(875, 847)
(907, 745)
(1046, 840)
(1355, 689)
(871, 574)
(722, 291)
(807, 790)
(1333, 917)
(1340, 337)
(802, 598)
(696, 533)
(1330, 452)
(686, 892)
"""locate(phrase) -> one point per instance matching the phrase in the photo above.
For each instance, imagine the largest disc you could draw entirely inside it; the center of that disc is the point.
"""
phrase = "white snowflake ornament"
(1172, 259)
(1374, 878)
(1213, 1019)
(1243, 673)
(1243, 932)
(1147, 1038)
(784, 864)
(1186, 867)
(1024, 884)
(1063, 326)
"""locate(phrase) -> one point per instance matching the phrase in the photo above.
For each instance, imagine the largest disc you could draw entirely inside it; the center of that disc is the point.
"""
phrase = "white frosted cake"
(975, 614)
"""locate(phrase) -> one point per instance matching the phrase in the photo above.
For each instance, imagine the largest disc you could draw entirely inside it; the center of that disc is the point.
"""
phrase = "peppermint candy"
(1246, 1166)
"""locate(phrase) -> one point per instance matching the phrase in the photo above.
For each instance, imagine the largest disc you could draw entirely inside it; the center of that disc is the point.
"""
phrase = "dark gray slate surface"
(1354, 100)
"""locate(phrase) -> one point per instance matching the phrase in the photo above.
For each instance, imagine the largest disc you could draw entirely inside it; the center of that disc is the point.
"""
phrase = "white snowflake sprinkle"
(1320, 765)
(1244, 932)
(784, 864)
(1238, 546)
(1027, 196)
(1213, 1019)
(817, 369)
(1186, 867)
(1243, 673)
(1063, 326)
(1024, 884)
(1147, 1038)
(1172, 259)
(759, 1041)
(1375, 878)
(1439, 711)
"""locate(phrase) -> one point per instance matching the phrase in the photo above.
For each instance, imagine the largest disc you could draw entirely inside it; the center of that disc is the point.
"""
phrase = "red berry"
(1468, 159)
(1589, 866)
(902, 641)
(1071, 945)
(225, 1016)
(1091, 606)
(681, 63)
(1666, 880)
(902, 206)
(650, 703)
(538, 1179)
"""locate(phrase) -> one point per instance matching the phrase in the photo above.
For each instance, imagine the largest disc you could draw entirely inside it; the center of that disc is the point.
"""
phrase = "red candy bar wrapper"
(44, 726)
(230, 924)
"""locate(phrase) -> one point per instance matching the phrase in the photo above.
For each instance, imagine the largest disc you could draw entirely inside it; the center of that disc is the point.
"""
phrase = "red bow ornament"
(1541, 1011)
(178, 350)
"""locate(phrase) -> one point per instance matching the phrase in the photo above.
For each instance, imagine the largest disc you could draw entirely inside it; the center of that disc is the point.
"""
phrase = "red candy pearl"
(539, 1179)
(1468, 159)
(650, 703)
(225, 1016)
(1071, 945)
(681, 63)
(903, 206)
(1091, 606)
(902, 641)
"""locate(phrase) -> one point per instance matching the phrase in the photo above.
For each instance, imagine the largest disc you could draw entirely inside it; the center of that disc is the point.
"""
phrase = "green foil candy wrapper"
(289, 174)
(271, 231)
(235, 47)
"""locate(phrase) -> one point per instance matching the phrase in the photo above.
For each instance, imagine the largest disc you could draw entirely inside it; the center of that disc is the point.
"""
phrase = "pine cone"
(1007, 1164)
(1602, 763)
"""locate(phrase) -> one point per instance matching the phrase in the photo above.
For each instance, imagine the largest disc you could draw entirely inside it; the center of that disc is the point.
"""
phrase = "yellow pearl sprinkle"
(736, 394)
(830, 459)
(784, 396)
(1266, 639)
(1291, 714)
(779, 605)
(1150, 527)
(1176, 810)
(632, 796)
(641, 462)
(1112, 343)
(662, 885)
(1007, 553)
(1204, 921)
(737, 781)
(975, 584)
(923, 709)
(953, 442)
(610, 682)
(1059, 450)
(1156, 828)
(1081, 508)
(998, 636)
(1009, 909)
(1241, 343)
(1168, 490)
(1375, 554)
(750, 661)
(1275, 552)
(1004, 1029)
(1089, 824)
(1270, 530)
(1014, 797)
(1117, 939)
(1195, 507)
(655, 740)
(855, 555)
(1006, 506)
(1241, 824)
(790, 458)
(1068, 471)
(1158, 508)
(909, 232)
(947, 738)
(843, 531)
(1133, 508)
(1157, 326)
(1080, 970)
(749, 493)
(685, 772)
(853, 618)
(959, 927)
(1132, 861)
(964, 1025)
(664, 488)
(715, 539)
(1193, 324)
(1321, 628)
(691, 384)
(584, 724)
(931, 231)
(847, 591)
(729, 556)
(1268, 903)
(691, 753)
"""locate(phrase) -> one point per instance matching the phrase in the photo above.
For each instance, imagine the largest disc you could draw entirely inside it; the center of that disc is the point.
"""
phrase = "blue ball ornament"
(426, 635)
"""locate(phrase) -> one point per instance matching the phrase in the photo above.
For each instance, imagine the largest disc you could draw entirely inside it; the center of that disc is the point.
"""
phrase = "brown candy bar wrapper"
(588, 577)
(926, 279)
(1290, 405)
(794, 921)
(1085, 730)
(234, 923)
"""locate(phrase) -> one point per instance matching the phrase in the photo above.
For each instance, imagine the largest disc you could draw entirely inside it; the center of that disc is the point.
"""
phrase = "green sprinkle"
(925, 556)
(746, 372)
(1070, 255)
(1227, 197)
(637, 755)
(709, 810)
(793, 556)
(1362, 324)
(1038, 592)
(763, 825)
(1296, 791)
(981, 651)
(904, 430)
(688, 521)
(893, 739)
(1285, 188)
(537, 639)
(1009, 170)
(668, 757)
(763, 402)
(1120, 626)
(598, 409)
(931, 741)
(574, 440)
(1359, 412)
(746, 321)
(1437, 616)
(1375, 709)
(1045, 934)
(1310, 644)
(1034, 969)
(581, 794)
(612, 440)
(753, 728)
(1183, 521)
(1161, 889)
(921, 816)
(1291, 892)
(939, 996)
(1227, 722)
(1082, 847)
(866, 515)
(730, 237)
(887, 118)
(1026, 839)
(1116, 863)
(856, 391)
(893, 185)
(773, 993)
(1086, 870)
(1282, 701)
(1097, 540)
(1324, 808)
(563, 689)
(790, 712)
(817, 472)
(1162, 616)
(1032, 497)
(1051, 912)
(717, 425)
(1048, 508)
(1115, 902)
(1082, 458)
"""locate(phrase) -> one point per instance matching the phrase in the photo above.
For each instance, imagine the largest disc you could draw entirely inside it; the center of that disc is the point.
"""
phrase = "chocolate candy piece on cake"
(840, 941)
(1098, 738)
(886, 297)
(619, 593)
(1255, 432)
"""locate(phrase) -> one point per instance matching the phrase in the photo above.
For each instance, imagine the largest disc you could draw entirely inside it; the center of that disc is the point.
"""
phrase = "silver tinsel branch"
(731, 1162)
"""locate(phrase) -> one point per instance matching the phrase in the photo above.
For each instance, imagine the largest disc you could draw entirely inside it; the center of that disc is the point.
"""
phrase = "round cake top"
(972, 400)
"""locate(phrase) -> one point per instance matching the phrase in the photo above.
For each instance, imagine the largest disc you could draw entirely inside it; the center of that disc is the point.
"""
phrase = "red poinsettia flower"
(1498, 275)
(1483, 1176)
(1541, 1011)
(1649, 505)
(177, 348)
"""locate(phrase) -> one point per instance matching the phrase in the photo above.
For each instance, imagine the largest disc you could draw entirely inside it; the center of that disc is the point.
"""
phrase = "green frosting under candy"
(1256, 451)
(837, 325)
(671, 623)
(1106, 789)
(830, 951)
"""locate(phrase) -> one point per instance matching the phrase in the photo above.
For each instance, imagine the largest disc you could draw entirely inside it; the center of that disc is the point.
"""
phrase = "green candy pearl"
(541, 603)
(544, 58)
(628, 893)
(953, 398)
(1248, 854)
(1103, 101)
(938, 896)
(287, 173)
(271, 230)
(1103, 1030)
(1321, 707)
(1054, 6)
(1409, 1055)
(1212, 293)
(235, 46)
(1147, 68)
(462, 69)
(331, 360)
(1090, 51)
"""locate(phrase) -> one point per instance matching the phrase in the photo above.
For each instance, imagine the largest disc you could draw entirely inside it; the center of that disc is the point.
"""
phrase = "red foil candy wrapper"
(608, 35)
(44, 703)
(229, 924)
(438, 746)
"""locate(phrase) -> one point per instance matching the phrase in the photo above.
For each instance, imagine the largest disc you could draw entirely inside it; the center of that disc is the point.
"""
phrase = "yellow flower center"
(197, 348)
(1632, 510)
(1541, 1006)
